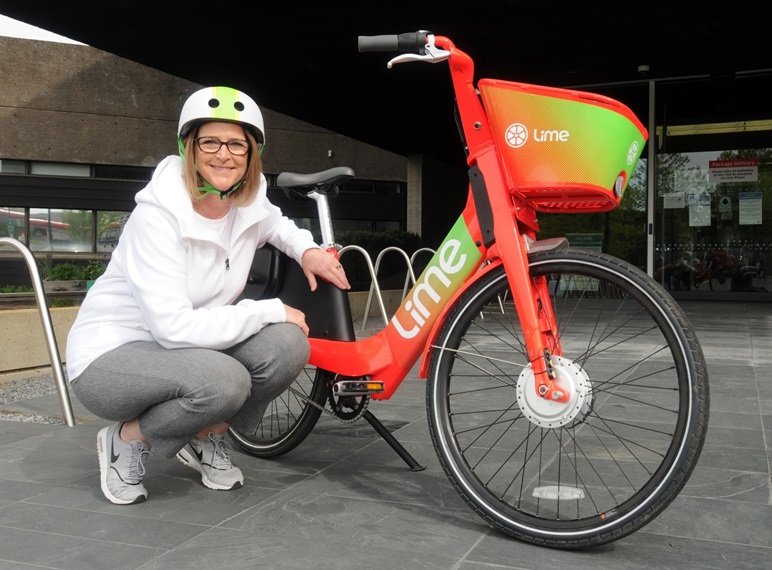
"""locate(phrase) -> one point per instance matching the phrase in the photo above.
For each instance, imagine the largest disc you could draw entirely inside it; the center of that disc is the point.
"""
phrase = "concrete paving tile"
(35, 549)
(166, 495)
(738, 420)
(45, 459)
(730, 374)
(639, 551)
(389, 484)
(11, 431)
(721, 520)
(742, 401)
(20, 490)
(418, 530)
(749, 439)
(764, 384)
(728, 484)
(266, 549)
(128, 528)
(344, 499)
(740, 458)
(466, 565)
(50, 405)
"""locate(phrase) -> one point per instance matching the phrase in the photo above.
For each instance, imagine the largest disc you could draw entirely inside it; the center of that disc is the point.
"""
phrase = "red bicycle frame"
(468, 252)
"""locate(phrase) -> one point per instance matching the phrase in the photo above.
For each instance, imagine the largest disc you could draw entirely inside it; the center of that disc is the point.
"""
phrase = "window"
(12, 223)
(60, 230)
(109, 229)
(60, 169)
(13, 166)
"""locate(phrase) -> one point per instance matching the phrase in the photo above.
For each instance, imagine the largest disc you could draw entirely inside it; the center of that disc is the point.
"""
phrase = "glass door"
(713, 213)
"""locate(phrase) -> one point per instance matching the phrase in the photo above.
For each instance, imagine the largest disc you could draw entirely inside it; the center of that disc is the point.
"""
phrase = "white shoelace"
(220, 451)
(137, 462)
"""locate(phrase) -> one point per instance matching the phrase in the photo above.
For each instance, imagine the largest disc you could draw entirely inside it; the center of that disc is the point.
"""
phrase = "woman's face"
(222, 169)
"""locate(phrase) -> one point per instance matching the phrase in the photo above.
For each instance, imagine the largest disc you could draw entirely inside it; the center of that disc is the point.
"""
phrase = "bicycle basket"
(563, 150)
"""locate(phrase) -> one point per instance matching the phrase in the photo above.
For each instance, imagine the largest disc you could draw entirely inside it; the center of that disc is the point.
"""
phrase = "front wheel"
(611, 459)
(289, 419)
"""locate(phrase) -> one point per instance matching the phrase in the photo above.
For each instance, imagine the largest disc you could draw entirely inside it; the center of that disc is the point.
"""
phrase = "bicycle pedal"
(356, 387)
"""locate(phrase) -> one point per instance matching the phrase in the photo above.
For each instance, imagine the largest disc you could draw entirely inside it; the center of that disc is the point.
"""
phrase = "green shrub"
(65, 272)
(71, 271)
(15, 289)
(94, 269)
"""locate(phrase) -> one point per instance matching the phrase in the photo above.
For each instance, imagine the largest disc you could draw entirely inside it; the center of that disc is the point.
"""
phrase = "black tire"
(289, 418)
(589, 474)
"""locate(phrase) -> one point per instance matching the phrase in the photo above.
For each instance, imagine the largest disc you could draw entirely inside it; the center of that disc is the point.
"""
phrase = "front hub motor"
(547, 413)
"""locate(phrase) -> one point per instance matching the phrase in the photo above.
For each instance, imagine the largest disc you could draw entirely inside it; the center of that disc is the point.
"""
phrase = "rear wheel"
(289, 418)
(607, 462)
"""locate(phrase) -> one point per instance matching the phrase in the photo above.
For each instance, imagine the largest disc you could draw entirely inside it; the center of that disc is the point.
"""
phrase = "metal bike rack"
(375, 288)
(408, 281)
(48, 328)
(374, 283)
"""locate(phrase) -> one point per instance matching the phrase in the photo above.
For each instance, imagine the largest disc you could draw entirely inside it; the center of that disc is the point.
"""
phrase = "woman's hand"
(296, 318)
(317, 262)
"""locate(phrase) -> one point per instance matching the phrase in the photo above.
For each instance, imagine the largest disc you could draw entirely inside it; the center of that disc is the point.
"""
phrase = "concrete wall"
(23, 347)
(77, 104)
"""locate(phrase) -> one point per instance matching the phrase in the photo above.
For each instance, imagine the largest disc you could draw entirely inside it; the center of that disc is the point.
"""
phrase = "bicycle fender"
(423, 370)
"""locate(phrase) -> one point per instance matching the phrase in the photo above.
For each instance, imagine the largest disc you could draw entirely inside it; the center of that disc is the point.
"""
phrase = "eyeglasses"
(211, 145)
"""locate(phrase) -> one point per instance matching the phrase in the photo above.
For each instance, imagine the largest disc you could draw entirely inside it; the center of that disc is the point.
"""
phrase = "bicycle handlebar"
(413, 42)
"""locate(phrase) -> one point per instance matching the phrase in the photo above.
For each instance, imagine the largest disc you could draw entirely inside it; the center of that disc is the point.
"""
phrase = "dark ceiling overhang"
(302, 60)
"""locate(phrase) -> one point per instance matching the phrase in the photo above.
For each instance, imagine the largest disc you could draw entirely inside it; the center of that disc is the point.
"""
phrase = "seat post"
(325, 219)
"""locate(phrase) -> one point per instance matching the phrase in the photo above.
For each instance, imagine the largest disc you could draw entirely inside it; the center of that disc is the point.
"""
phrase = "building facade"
(83, 129)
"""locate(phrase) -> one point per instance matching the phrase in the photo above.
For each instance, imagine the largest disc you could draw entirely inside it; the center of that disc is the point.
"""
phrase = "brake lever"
(433, 55)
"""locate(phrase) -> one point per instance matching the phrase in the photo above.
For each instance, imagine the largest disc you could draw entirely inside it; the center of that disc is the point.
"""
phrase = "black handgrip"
(414, 42)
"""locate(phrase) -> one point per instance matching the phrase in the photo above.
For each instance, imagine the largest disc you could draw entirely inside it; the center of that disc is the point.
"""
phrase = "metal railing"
(48, 327)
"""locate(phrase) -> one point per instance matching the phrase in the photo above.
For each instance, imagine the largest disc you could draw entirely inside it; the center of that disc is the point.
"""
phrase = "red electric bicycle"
(567, 395)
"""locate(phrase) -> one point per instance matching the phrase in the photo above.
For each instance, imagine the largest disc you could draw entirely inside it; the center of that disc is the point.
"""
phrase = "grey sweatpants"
(176, 393)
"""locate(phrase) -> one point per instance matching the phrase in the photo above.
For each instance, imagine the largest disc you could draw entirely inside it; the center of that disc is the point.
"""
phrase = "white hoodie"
(172, 280)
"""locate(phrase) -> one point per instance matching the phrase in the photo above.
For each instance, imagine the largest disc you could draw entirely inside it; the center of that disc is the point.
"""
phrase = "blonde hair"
(245, 193)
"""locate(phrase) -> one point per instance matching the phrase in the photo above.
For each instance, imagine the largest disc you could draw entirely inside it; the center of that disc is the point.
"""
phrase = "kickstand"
(392, 441)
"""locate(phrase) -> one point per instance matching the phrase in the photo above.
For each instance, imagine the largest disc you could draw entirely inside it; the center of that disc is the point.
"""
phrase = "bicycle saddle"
(297, 185)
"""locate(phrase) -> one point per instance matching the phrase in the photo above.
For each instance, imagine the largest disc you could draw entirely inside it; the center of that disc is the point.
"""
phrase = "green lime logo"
(456, 258)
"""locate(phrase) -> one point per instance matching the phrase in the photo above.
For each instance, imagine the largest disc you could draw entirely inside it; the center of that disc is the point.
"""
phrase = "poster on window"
(674, 201)
(735, 170)
(725, 207)
(699, 210)
(750, 208)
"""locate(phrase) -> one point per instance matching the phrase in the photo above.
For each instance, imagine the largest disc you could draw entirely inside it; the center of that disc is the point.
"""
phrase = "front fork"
(537, 319)
(531, 295)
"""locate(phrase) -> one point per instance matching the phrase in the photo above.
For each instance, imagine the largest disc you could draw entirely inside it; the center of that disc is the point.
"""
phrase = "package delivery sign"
(734, 170)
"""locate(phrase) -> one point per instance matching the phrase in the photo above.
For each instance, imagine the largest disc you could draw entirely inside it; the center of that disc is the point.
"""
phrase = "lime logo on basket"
(516, 135)
(632, 152)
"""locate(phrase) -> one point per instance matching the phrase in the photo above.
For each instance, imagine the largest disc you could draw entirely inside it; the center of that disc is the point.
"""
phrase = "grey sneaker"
(122, 466)
(210, 458)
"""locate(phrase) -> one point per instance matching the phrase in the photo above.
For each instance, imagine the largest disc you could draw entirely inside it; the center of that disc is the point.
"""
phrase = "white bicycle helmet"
(221, 104)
